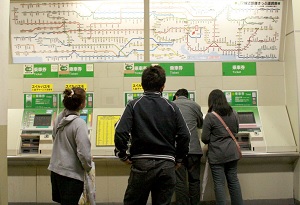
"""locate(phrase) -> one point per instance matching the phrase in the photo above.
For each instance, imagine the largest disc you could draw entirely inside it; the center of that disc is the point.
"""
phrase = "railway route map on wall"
(215, 30)
(113, 31)
(77, 31)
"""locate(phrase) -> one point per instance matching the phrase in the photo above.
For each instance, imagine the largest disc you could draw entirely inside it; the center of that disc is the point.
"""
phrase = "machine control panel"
(36, 131)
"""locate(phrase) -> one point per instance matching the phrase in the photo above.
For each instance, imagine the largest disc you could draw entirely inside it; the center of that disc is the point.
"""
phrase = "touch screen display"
(84, 117)
(42, 120)
(246, 117)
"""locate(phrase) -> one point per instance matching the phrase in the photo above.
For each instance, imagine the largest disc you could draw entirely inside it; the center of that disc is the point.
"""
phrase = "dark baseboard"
(246, 202)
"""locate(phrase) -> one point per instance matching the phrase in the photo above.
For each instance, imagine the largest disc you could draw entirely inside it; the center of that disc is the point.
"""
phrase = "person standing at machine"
(188, 176)
(223, 154)
(159, 142)
(71, 154)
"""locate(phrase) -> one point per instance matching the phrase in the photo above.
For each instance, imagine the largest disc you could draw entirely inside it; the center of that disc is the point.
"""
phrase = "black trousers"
(188, 181)
(65, 190)
(150, 175)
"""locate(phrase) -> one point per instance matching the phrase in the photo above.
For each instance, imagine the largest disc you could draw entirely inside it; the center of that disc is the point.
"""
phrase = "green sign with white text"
(75, 70)
(58, 70)
(239, 68)
(172, 69)
(40, 100)
(40, 71)
(241, 98)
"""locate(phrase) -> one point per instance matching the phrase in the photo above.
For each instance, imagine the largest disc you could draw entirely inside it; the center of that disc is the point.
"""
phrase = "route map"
(77, 31)
(215, 30)
(113, 31)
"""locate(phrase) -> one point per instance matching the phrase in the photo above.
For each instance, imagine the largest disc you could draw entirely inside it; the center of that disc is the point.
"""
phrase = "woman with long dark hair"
(222, 153)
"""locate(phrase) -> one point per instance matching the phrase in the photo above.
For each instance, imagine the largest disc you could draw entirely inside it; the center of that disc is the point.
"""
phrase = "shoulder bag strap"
(230, 133)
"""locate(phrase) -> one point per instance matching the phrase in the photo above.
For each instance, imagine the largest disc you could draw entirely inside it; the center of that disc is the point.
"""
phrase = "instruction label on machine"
(40, 101)
(106, 129)
(241, 97)
(244, 102)
(81, 85)
(42, 88)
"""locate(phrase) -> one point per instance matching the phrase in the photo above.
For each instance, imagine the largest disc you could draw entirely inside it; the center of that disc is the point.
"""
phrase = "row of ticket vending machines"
(263, 129)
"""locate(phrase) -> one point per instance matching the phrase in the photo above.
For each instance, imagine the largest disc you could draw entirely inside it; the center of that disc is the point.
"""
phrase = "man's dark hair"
(153, 78)
(182, 92)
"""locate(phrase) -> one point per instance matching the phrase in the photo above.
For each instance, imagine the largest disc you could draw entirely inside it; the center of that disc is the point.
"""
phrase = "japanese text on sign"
(137, 87)
(42, 88)
(70, 86)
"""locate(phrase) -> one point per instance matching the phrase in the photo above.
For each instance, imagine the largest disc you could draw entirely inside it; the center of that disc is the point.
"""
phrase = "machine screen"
(84, 117)
(246, 117)
(42, 120)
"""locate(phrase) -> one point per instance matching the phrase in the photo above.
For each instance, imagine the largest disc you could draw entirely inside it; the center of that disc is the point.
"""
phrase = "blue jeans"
(150, 175)
(188, 181)
(227, 171)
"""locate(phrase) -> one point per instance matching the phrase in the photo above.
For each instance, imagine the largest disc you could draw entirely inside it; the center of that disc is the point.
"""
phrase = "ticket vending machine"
(263, 129)
(104, 120)
(36, 131)
(250, 136)
(30, 129)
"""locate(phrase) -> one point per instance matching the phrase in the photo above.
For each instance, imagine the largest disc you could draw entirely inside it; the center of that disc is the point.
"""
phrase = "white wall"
(4, 38)
(109, 85)
(294, 40)
(276, 82)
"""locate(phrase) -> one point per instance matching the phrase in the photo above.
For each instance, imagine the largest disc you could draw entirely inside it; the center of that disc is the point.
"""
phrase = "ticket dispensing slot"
(244, 141)
(46, 144)
(29, 143)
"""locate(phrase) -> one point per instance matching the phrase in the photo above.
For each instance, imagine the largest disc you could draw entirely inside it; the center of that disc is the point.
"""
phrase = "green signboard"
(75, 70)
(168, 95)
(40, 71)
(172, 69)
(241, 98)
(40, 101)
(239, 68)
(58, 70)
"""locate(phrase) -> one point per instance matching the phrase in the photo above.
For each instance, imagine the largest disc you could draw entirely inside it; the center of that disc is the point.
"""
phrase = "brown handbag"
(230, 133)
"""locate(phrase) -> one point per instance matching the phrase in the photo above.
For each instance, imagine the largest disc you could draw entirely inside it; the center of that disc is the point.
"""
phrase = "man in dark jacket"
(159, 139)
